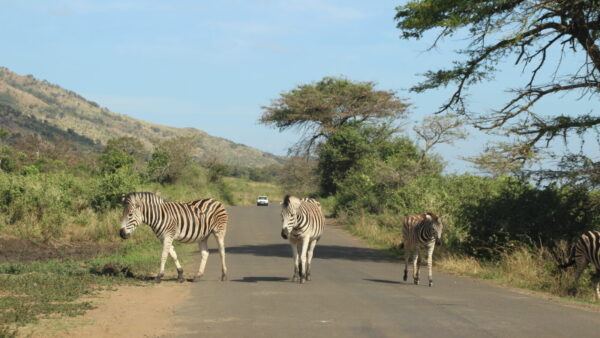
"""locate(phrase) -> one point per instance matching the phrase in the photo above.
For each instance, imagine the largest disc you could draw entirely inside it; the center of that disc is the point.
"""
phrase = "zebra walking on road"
(303, 224)
(584, 252)
(420, 231)
(171, 221)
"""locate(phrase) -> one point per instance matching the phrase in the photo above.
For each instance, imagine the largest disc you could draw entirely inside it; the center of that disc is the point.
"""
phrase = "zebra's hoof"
(158, 278)
(430, 283)
(223, 278)
(302, 280)
(294, 278)
(308, 278)
(416, 281)
(180, 276)
(405, 276)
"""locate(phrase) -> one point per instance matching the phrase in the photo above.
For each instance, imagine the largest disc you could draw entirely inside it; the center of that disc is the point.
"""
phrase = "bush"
(108, 191)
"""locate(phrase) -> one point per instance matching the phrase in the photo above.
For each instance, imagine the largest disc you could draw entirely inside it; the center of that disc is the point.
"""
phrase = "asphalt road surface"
(354, 292)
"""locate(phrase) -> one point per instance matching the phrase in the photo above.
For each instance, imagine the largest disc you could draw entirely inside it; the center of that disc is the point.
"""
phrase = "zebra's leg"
(581, 265)
(167, 243)
(596, 279)
(406, 257)
(429, 261)
(221, 243)
(203, 259)
(311, 248)
(295, 250)
(416, 266)
(304, 248)
(179, 268)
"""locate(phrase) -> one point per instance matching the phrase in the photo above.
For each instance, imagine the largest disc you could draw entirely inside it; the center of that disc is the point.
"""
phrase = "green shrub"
(109, 189)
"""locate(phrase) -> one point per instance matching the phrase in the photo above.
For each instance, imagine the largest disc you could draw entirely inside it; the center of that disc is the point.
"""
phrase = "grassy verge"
(40, 289)
(523, 267)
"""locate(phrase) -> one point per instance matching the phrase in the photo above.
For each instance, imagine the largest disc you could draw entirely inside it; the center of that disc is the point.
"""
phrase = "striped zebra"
(171, 221)
(420, 231)
(584, 252)
(303, 224)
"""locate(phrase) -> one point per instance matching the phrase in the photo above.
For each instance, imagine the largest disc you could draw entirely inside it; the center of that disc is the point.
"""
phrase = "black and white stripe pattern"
(584, 252)
(171, 221)
(303, 224)
(420, 231)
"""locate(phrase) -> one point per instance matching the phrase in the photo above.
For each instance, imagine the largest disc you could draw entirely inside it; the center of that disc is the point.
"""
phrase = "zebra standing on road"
(171, 221)
(303, 224)
(584, 252)
(420, 231)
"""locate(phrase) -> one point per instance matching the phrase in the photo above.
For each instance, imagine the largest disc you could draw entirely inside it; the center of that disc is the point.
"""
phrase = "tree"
(216, 169)
(533, 32)
(438, 129)
(373, 152)
(170, 158)
(320, 109)
(130, 145)
(115, 159)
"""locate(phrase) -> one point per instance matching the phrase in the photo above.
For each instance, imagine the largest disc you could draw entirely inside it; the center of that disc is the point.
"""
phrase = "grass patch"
(39, 289)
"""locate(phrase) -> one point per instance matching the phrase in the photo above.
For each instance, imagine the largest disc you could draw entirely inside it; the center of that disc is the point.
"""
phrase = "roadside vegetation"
(59, 219)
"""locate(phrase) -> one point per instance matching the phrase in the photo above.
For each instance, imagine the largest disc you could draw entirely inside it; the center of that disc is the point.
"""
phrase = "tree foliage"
(129, 145)
(539, 35)
(363, 164)
(170, 158)
(320, 109)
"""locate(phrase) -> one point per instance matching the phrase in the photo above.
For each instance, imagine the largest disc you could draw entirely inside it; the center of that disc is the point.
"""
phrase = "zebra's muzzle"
(283, 234)
(123, 234)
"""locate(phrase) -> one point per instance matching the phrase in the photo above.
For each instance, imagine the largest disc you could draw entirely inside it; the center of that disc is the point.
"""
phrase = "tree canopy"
(538, 35)
(319, 109)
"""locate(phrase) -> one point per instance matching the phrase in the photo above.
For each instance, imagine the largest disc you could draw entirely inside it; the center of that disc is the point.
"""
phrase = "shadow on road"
(383, 281)
(261, 279)
(321, 252)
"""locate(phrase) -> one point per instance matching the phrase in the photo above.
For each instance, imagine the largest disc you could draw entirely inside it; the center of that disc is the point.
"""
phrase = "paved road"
(355, 292)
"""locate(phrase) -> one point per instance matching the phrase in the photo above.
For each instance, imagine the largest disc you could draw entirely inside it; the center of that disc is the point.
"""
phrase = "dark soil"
(23, 250)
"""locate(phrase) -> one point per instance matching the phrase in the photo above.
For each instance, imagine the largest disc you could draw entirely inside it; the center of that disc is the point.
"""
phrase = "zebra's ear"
(428, 216)
(123, 197)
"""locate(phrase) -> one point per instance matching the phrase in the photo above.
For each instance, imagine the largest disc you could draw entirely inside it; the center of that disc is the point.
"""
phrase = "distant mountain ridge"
(31, 106)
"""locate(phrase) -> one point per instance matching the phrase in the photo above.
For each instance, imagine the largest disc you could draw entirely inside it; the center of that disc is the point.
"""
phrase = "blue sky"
(211, 65)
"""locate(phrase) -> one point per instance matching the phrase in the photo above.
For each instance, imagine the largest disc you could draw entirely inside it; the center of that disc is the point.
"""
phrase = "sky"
(212, 65)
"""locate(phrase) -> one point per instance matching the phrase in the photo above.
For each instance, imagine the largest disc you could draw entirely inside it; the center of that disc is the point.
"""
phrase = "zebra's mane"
(290, 203)
(433, 216)
(286, 201)
(142, 194)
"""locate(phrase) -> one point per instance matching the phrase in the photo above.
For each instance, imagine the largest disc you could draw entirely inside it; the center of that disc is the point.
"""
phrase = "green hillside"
(29, 106)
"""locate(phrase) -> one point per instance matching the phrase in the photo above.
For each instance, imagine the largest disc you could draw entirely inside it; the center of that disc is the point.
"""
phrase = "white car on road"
(262, 200)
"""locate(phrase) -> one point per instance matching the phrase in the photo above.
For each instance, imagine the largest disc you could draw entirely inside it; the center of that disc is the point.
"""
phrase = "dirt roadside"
(128, 311)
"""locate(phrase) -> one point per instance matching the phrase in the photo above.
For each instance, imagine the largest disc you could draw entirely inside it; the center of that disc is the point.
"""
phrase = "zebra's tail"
(401, 245)
(571, 260)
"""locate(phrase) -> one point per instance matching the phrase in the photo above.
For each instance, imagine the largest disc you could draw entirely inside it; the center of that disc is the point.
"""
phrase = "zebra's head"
(436, 225)
(289, 209)
(132, 215)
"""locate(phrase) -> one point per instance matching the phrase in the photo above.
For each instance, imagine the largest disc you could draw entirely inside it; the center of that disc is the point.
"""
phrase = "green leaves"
(320, 109)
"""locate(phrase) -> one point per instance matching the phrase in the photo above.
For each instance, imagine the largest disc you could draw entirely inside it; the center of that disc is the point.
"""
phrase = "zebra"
(172, 221)
(303, 224)
(420, 231)
(585, 251)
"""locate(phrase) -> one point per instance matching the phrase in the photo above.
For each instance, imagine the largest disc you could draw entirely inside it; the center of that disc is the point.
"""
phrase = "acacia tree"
(533, 32)
(319, 109)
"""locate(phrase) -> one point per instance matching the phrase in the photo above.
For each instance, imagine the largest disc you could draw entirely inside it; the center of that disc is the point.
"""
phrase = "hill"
(29, 106)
